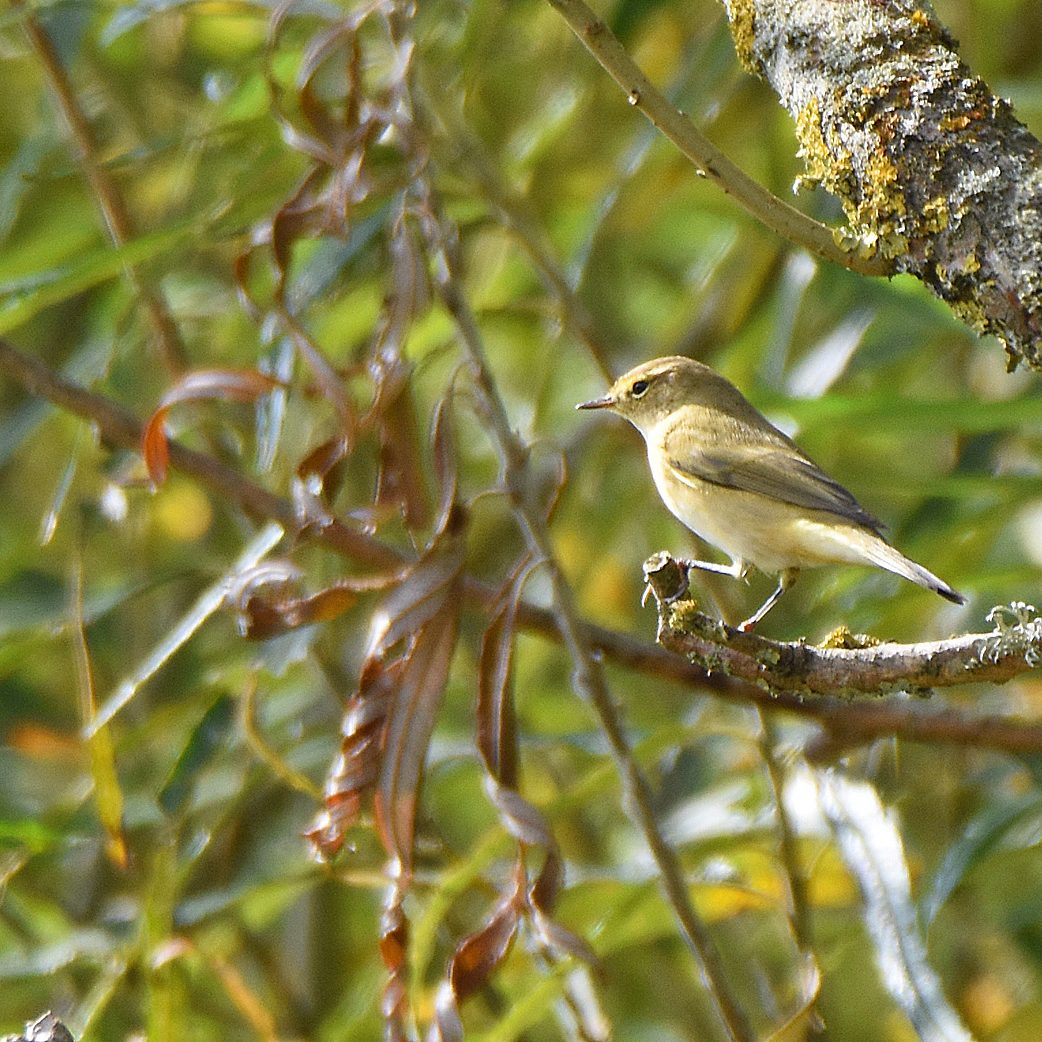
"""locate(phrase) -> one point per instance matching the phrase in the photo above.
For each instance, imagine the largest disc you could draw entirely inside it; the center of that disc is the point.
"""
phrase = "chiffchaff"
(735, 480)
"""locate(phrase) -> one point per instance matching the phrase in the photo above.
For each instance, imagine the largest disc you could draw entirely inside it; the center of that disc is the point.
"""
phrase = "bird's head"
(649, 393)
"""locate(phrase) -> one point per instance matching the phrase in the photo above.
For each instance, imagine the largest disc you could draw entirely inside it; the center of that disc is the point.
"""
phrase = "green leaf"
(199, 751)
(29, 297)
(987, 832)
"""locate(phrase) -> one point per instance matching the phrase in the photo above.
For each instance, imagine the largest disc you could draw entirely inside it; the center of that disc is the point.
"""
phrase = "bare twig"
(856, 722)
(258, 744)
(514, 214)
(777, 215)
(109, 199)
(589, 678)
(799, 909)
(119, 427)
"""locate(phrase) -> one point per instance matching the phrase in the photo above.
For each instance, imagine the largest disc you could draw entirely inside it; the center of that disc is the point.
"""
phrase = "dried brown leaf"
(394, 942)
(446, 460)
(419, 597)
(496, 722)
(241, 385)
(478, 956)
(357, 766)
(410, 724)
(309, 144)
(339, 37)
(323, 460)
(401, 480)
(263, 618)
(389, 719)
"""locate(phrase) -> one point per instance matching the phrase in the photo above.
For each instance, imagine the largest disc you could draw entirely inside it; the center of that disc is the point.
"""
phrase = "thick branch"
(866, 668)
(932, 169)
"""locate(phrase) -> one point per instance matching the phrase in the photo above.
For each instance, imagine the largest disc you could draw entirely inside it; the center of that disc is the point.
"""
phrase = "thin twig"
(858, 722)
(255, 740)
(110, 201)
(589, 678)
(119, 427)
(799, 906)
(514, 213)
(766, 207)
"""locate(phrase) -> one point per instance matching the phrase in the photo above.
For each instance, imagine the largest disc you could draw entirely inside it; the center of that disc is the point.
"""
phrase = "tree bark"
(934, 172)
(846, 665)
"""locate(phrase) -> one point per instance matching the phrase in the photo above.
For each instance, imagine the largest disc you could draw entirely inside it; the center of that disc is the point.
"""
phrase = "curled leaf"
(240, 385)
(478, 955)
(389, 719)
(355, 769)
(424, 673)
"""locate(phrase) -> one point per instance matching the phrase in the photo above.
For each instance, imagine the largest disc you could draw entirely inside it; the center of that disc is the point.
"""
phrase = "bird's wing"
(778, 471)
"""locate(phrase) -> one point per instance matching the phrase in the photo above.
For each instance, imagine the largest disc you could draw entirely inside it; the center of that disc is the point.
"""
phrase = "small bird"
(742, 485)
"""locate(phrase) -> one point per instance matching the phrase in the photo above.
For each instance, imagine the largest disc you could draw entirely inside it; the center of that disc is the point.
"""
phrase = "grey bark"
(934, 172)
(845, 665)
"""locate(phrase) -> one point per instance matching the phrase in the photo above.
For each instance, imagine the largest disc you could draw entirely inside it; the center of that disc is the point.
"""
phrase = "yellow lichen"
(743, 29)
(742, 14)
(935, 216)
(959, 122)
(828, 162)
(970, 311)
(842, 637)
(882, 203)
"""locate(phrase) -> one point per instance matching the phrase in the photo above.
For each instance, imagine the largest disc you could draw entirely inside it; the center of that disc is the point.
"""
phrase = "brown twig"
(799, 906)
(119, 427)
(110, 201)
(857, 722)
(512, 211)
(777, 215)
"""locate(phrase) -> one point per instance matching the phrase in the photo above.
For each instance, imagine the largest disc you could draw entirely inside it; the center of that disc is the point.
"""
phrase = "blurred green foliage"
(219, 925)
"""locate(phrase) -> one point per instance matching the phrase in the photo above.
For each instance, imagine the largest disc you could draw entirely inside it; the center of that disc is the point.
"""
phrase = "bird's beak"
(606, 401)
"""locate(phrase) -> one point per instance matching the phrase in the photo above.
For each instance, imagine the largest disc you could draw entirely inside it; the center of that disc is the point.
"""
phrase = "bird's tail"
(884, 555)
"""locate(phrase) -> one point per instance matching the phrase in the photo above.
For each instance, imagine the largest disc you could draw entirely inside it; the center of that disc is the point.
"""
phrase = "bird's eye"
(639, 388)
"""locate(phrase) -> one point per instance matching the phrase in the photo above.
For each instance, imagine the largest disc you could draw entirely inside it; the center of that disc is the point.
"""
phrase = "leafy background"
(156, 881)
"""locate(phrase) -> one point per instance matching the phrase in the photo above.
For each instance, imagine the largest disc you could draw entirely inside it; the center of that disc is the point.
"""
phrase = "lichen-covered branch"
(933, 170)
(845, 665)
(47, 1028)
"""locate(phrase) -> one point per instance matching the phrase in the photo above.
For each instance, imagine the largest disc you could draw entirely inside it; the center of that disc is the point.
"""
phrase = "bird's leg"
(785, 580)
(736, 569)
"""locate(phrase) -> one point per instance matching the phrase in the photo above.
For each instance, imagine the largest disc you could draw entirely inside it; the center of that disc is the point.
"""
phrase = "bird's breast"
(754, 528)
